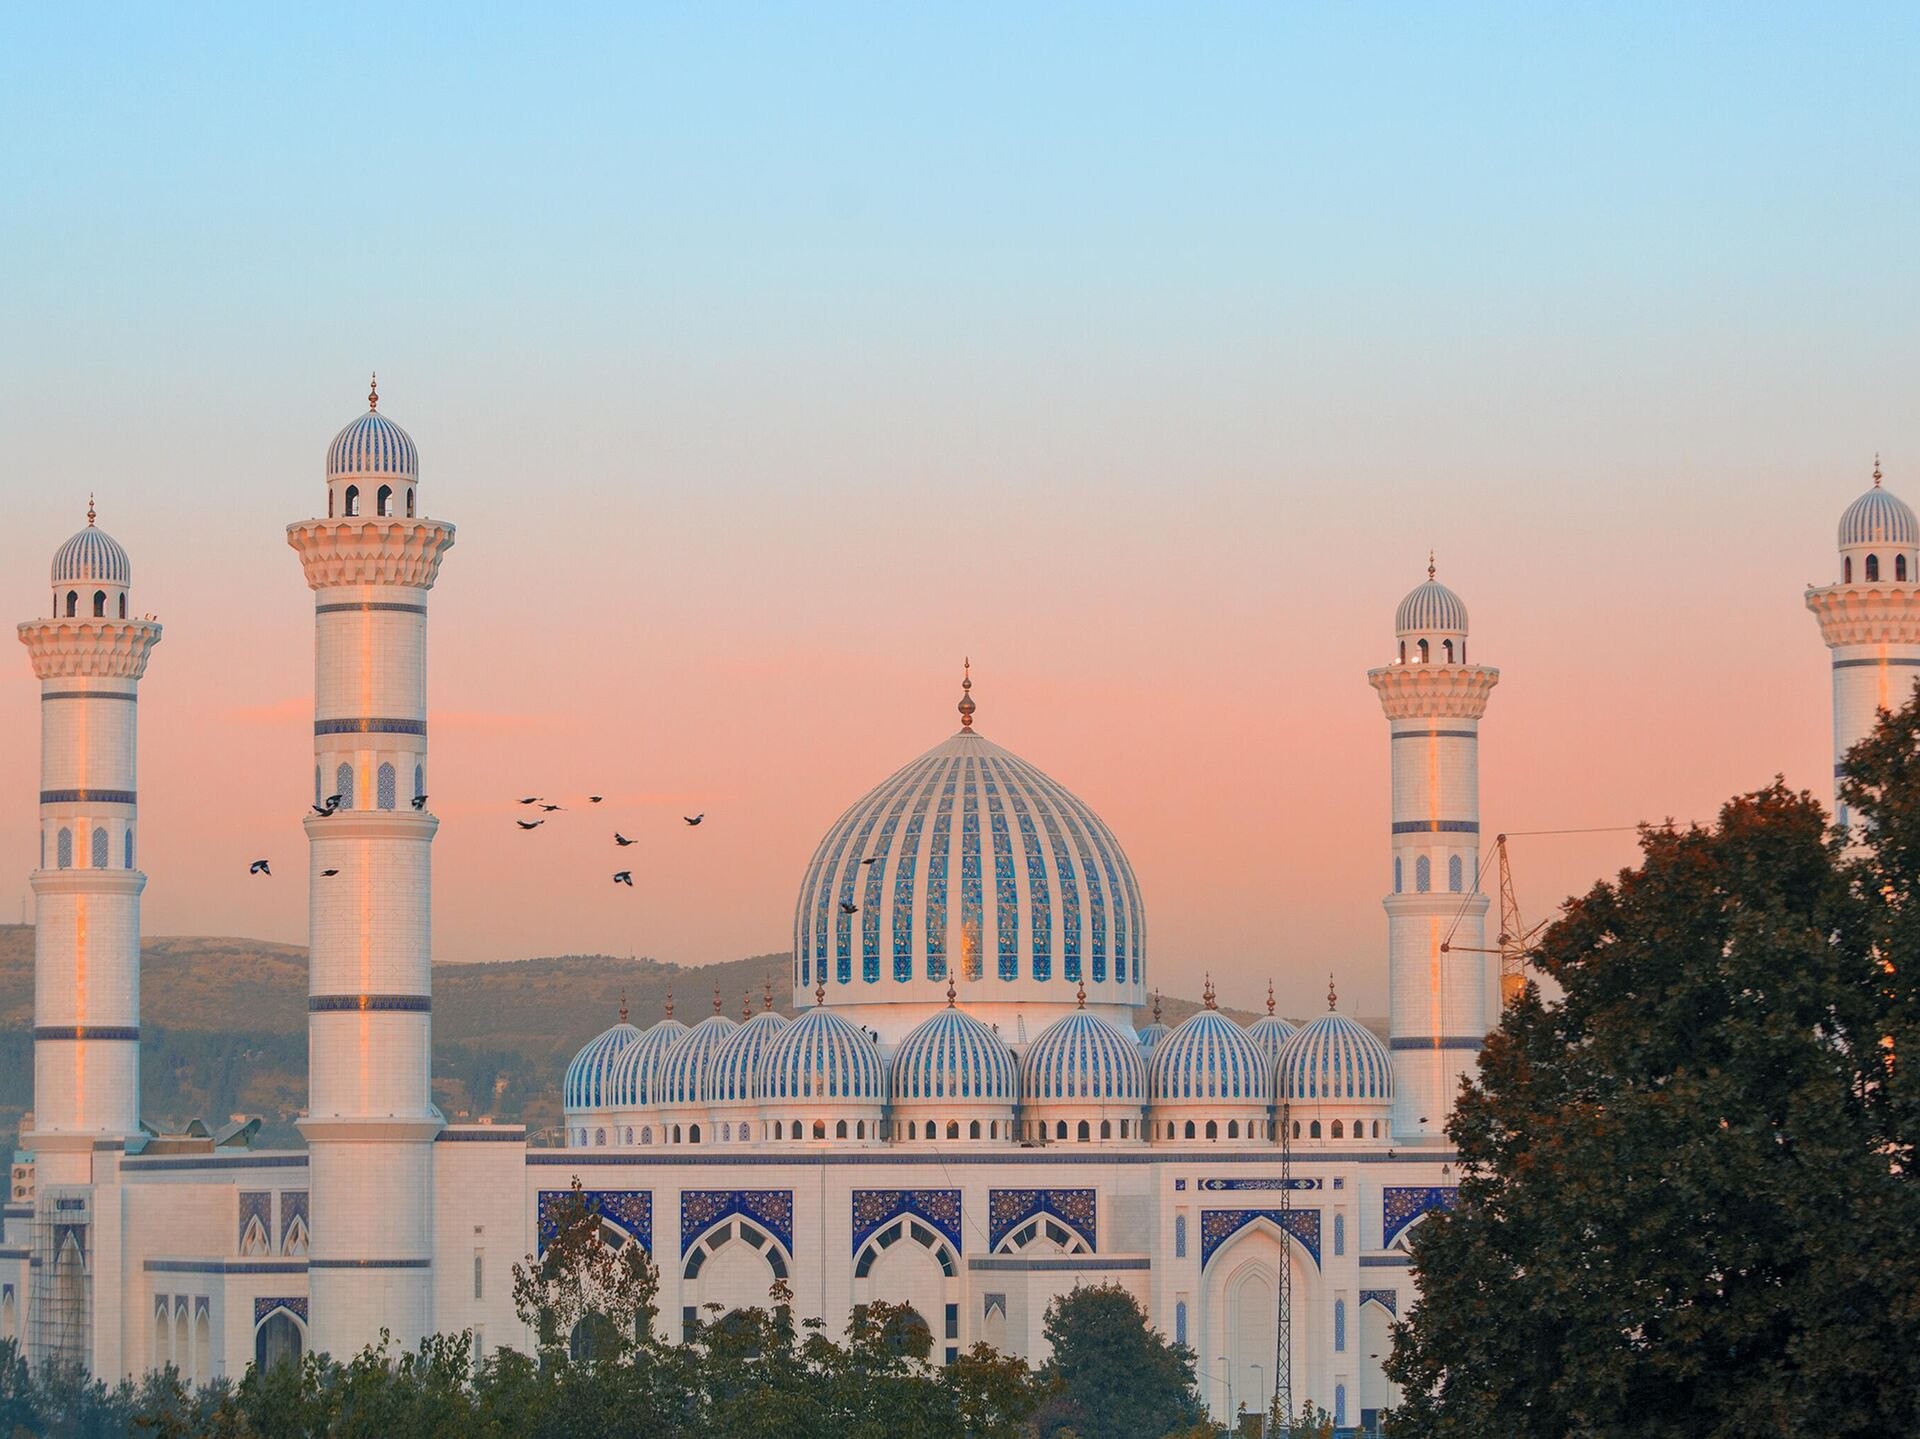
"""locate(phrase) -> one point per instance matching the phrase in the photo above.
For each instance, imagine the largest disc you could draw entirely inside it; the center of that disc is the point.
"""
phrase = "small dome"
(821, 1056)
(954, 1057)
(681, 1078)
(586, 1085)
(1149, 1038)
(1082, 1059)
(1209, 1058)
(634, 1076)
(1333, 1058)
(1431, 608)
(1878, 517)
(731, 1077)
(92, 557)
(1270, 1034)
(375, 448)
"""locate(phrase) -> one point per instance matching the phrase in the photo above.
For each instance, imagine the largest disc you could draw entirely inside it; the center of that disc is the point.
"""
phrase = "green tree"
(1685, 1201)
(581, 1296)
(1112, 1375)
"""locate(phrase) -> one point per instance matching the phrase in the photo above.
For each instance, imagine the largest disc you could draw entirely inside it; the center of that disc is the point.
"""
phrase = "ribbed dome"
(681, 1078)
(1878, 517)
(954, 1057)
(821, 1056)
(92, 557)
(1431, 608)
(1270, 1034)
(732, 1076)
(373, 447)
(1149, 1037)
(634, 1080)
(1333, 1058)
(1209, 1058)
(1082, 1059)
(586, 1085)
(983, 867)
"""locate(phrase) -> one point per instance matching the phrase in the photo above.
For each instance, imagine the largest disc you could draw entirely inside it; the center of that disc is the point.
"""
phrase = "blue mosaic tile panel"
(903, 876)
(1039, 897)
(293, 1205)
(255, 1204)
(630, 1210)
(1006, 894)
(938, 851)
(873, 1208)
(294, 1304)
(1387, 1299)
(1217, 1226)
(870, 901)
(1008, 1209)
(1400, 1206)
(701, 1209)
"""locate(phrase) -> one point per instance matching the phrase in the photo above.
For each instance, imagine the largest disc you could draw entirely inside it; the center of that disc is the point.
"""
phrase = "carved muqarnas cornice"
(97, 649)
(371, 552)
(1867, 614)
(1417, 691)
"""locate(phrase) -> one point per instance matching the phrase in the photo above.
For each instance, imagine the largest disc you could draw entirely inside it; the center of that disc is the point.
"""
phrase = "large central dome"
(969, 864)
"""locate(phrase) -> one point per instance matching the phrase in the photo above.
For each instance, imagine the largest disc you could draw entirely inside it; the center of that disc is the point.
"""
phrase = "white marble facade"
(962, 1116)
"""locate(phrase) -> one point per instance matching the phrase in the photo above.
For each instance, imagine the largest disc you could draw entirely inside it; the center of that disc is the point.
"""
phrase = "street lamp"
(1227, 1374)
(1260, 1387)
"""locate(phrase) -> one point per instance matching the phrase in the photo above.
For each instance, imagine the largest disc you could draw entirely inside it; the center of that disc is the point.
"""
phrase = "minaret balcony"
(377, 551)
(1884, 613)
(1424, 691)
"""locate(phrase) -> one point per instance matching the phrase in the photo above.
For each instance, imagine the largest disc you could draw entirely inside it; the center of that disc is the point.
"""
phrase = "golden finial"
(1083, 994)
(819, 994)
(716, 999)
(766, 993)
(1333, 1000)
(1269, 996)
(1430, 568)
(952, 993)
(1206, 992)
(1876, 469)
(966, 694)
(373, 392)
(89, 509)
(623, 1005)
(1156, 1006)
(746, 1005)
(669, 1001)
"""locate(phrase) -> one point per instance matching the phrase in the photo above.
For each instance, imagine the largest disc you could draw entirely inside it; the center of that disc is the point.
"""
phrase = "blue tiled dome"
(1082, 1059)
(634, 1079)
(954, 1057)
(586, 1085)
(374, 447)
(1431, 608)
(1878, 517)
(982, 867)
(681, 1078)
(1270, 1034)
(732, 1077)
(1334, 1058)
(1149, 1037)
(821, 1056)
(1209, 1058)
(92, 557)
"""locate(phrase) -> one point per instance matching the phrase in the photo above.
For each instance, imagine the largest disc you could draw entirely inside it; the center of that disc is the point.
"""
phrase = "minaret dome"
(1431, 624)
(90, 575)
(1879, 538)
(373, 469)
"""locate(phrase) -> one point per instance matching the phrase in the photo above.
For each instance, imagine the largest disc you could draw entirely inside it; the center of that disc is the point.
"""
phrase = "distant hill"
(224, 1025)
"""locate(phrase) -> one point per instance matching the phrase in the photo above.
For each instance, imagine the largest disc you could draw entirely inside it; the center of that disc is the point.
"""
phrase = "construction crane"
(1516, 939)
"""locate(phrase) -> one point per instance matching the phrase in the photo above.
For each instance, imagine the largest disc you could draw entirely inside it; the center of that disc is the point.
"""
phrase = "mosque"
(963, 1116)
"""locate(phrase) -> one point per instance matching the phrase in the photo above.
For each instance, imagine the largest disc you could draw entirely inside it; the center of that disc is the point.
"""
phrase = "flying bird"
(529, 823)
(534, 800)
(624, 877)
(419, 801)
(621, 840)
(873, 859)
(549, 808)
(259, 866)
(328, 873)
(595, 798)
(846, 908)
(332, 804)
(694, 818)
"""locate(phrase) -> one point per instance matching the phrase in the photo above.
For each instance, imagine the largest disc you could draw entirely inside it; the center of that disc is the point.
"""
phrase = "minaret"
(370, 1122)
(89, 656)
(1871, 619)
(1442, 1004)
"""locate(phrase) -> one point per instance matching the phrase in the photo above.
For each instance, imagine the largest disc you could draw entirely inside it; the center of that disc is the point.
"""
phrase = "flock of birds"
(622, 876)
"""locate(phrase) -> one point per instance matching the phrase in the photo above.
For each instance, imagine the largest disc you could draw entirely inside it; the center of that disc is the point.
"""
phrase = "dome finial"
(90, 509)
(746, 1005)
(766, 993)
(623, 1004)
(1430, 565)
(1269, 996)
(669, 1001)
(819, 994)
(1333, 999)
(1876, 469)
(1083, 994)
(1156, 1006)
(373, 392)
(952, 993)
(1206, 992)
(716, 999)
(966, 694)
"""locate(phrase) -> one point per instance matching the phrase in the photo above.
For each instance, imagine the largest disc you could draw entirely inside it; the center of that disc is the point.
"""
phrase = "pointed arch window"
(353, 501)
(73, 602)
(99, 847)
(1456, 874)
(409, 501)
(1423, 652)
(343, 785)
(1846, 570)
(1446, 648)
(63, 850)
(1180, 1322)
(99, 604)
(383, 501)
(1422, 875)
(1340, 1220)
(386, 786)
(1398, 876)
(1339, 1326)
(129, 846)
(1873, 568)
(123, 604)
(1899, 567)
(1179, 1236)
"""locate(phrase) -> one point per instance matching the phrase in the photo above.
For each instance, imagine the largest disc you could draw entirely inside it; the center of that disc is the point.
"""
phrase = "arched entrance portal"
(1240, 1321)
(278, 1340)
